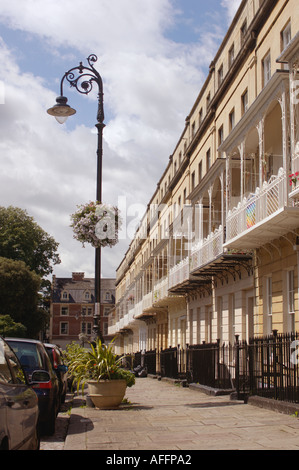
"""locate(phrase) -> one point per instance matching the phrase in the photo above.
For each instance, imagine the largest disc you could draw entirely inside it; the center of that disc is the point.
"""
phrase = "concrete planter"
(107, 394)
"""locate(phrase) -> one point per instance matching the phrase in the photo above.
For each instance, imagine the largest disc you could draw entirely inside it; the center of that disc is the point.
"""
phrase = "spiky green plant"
(98, 363)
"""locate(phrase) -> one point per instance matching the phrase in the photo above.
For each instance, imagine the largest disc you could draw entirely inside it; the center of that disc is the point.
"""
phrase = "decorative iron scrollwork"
(83, 78)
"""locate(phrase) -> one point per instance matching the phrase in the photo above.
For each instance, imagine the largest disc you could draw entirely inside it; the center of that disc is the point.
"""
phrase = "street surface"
(161, 416)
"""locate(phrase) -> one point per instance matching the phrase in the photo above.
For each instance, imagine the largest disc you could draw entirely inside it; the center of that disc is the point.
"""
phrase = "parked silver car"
(33, 356)
(18, 404)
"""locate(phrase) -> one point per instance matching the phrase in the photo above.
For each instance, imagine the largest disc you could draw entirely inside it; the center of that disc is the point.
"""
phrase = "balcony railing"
(204, 252)
(112, 329)
(257, 207)
(147, 300)
(160, 290)
(179, 273)
(137, 309)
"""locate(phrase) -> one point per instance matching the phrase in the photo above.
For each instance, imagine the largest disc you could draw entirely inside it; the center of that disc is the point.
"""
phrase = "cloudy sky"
(153, 57)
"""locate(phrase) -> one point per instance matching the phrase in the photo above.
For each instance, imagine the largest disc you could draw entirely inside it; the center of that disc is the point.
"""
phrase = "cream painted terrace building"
(216, 253)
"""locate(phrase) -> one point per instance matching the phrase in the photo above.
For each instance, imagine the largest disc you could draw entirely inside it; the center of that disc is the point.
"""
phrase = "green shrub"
(97, 363)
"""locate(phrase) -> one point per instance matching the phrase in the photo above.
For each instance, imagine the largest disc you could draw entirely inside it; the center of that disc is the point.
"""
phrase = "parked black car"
(57, 361)
(18, 404)
(33, 356)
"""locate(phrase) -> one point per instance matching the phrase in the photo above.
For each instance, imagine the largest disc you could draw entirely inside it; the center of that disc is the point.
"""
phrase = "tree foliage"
(27, 254)
(10, 328)
(19, 295)
(22, 239)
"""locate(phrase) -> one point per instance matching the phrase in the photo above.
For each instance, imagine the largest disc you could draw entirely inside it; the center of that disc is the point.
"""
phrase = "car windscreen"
(10, 369)
(28, 354)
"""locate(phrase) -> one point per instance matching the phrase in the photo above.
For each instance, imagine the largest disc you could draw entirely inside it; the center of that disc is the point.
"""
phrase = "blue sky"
(153, 56)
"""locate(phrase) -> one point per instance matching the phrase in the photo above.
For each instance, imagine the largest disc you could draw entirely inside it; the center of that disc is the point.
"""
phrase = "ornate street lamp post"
(82, 79)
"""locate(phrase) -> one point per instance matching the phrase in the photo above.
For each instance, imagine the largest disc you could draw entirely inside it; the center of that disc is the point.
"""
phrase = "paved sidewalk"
(163, 416)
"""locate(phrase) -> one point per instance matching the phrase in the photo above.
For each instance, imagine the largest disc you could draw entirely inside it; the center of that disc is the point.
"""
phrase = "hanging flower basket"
(97, 224)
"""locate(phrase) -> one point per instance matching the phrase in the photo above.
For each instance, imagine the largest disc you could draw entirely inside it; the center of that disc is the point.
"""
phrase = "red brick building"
(72, 308)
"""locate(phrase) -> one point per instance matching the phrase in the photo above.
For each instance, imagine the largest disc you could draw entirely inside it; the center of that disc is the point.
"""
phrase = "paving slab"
(161, 416)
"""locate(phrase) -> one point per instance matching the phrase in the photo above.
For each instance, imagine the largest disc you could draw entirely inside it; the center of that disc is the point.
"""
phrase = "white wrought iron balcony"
(121, 323)
(129, 318)
(207, 250)
(179, 273)
(262, 216)
(147, 301)
(137, 309)
(112, 330)
(160, 292)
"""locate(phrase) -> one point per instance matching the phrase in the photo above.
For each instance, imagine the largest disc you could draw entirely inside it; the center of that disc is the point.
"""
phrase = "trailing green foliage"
(97, 363)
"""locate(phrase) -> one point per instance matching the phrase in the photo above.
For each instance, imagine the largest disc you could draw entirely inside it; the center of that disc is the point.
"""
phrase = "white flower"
(97, 224)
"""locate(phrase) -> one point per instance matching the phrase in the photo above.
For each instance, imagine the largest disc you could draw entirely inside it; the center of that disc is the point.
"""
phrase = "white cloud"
(232, 7)
(150, 84)
(112, 24)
